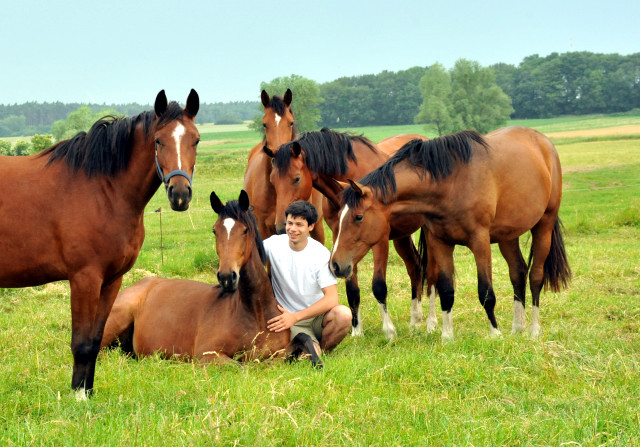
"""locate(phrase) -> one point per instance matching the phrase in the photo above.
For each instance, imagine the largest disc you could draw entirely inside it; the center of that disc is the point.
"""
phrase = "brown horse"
(75, 211)
(472, 191)
(316, 160)
(194, 320)
(279, 128)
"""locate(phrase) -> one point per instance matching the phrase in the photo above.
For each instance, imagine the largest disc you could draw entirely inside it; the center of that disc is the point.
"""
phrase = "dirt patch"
(619, 130)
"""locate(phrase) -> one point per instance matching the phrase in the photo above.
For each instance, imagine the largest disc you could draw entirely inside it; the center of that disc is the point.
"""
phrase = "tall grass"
(576, 385)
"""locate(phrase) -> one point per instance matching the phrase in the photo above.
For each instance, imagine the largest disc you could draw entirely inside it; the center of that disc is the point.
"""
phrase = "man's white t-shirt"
(298, 277)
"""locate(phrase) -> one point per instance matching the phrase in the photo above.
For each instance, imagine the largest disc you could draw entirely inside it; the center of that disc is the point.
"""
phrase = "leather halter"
(165, 179)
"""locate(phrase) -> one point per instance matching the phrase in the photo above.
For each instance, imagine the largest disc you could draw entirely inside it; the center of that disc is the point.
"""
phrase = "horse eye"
(214, 231)
(291, 125)
(358, 218)
(264, 125)
(246, 230)
(297, 180)
(197, 142)
(158, 143)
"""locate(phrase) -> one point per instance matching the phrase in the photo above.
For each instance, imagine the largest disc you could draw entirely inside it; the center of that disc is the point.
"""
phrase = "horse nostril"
(335, 267)
(234, 276)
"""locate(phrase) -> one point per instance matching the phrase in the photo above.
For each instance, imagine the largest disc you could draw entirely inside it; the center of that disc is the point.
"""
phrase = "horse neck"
(367, 161)
(416, 193)
(255, 289)
(140, 181)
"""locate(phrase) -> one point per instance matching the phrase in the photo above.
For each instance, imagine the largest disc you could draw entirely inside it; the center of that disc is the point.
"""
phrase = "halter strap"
(165, 179)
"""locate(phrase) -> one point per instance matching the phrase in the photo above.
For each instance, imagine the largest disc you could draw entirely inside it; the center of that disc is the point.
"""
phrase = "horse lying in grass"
(194, 320)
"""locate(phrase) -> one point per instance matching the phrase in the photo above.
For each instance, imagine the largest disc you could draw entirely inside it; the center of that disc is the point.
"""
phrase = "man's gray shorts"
(312, 327)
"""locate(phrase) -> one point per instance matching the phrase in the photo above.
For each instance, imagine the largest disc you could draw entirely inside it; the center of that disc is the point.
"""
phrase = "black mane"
(106, 148)
(233, 211)
(437, 157)
(327, 152)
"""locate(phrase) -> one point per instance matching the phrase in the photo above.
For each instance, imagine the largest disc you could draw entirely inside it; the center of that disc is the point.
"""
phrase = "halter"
(166, 179)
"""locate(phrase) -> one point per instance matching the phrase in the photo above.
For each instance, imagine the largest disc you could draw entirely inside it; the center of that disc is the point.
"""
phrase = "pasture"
(575, 385)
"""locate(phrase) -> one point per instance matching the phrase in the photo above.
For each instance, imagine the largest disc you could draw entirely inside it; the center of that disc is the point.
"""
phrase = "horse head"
(291, 179)
(278, 121)
(363, 222)
(234, 238)
(176, 139)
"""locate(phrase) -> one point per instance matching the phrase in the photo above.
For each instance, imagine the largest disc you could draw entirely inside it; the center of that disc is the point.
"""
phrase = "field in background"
(576, 385)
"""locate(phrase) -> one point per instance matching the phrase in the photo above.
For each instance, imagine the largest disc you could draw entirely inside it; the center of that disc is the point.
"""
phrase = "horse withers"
(473, 191)
(194, 320)
(75, 212)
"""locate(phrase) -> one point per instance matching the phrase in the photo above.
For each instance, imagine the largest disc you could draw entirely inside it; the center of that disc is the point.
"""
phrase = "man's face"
(297, 228)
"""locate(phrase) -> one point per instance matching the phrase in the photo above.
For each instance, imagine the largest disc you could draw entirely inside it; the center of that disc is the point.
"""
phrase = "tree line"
(574, 83)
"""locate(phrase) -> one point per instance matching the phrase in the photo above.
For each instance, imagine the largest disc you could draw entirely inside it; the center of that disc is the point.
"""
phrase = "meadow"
(577, 384)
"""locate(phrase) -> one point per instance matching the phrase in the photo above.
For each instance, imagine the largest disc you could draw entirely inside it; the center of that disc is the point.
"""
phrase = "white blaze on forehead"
(228, 224)
(343, 213)
(178, 132)
(278, 118)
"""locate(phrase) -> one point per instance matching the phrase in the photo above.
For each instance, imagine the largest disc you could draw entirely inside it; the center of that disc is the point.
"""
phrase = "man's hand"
(282, 322)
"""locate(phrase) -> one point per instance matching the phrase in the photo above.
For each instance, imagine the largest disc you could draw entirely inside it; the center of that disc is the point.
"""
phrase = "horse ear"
(161, 103)
(266, 101)
(341, 185)
(288, 97)
(268, 151)
(193, 104)
(296, 149)
(243, 200)
(356, 187)
(216, 204)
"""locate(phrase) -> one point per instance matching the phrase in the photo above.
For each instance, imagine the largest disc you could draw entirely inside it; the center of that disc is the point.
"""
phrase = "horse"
(75, 211)
(317, 159)
(279, 128)
(194, 320)
(472, 191)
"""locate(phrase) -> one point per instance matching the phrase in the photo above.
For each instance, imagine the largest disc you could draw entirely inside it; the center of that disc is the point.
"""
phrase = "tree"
(436, 108)
(79, 120)
(40, 142)
(306, 97)
(477, 99)
(5, 147)
(21, 147)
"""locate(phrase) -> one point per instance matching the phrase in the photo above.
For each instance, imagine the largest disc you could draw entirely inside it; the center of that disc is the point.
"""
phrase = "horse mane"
(437, 157)
(326, 151)
(106, 148)
(233, 211)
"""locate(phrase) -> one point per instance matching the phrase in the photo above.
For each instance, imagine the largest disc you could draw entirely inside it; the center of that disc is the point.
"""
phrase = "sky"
(127, 51)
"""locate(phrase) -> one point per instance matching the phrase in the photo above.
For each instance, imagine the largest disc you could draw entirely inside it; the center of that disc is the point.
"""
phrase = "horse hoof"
(356, 331)
(432, 325)
(494, 332)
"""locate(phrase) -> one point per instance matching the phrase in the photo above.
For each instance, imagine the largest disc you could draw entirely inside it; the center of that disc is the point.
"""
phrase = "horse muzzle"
(340, 271)
(228, 281)
(179, 194)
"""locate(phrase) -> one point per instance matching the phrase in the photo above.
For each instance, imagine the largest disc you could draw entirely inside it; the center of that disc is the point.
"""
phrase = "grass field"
(576, 385)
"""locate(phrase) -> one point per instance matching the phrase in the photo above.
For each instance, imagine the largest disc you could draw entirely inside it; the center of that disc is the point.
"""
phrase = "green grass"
(576, 385)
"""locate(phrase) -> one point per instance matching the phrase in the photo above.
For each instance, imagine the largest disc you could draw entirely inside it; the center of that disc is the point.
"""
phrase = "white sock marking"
(387, 325)
(518, 317)
(447, 326)
(432, 318)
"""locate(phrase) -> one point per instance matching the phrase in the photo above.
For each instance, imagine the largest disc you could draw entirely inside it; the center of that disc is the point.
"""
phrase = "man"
(304, 286)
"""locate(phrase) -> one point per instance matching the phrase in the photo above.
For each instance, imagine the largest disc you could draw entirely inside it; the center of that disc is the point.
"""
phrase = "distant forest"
(575, 83)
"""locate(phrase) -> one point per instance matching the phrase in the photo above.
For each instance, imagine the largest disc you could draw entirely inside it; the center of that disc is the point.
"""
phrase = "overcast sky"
(126, 51)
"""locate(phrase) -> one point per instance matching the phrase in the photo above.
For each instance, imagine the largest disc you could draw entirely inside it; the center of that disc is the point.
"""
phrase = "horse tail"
(422, 255)
(557, 272)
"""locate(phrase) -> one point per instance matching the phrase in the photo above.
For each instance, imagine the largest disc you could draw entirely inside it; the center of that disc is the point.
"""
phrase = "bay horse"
(195, 320)
(472, 191)
(279, 127)
(75, 211)
(318, 159)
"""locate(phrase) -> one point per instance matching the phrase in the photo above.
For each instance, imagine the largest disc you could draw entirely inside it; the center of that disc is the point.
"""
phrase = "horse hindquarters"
(120, 323)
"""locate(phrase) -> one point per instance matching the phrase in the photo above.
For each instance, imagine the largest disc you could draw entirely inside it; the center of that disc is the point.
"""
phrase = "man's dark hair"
(304, 209)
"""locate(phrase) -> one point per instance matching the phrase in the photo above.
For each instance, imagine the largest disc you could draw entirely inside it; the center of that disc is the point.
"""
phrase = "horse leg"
(379, 285)
(540, 246)
(481, 248)
(406, 249)
(90, 306)
(518, 274)
(443, 255)
(120, 322)
(353, 298)
(432, 278)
